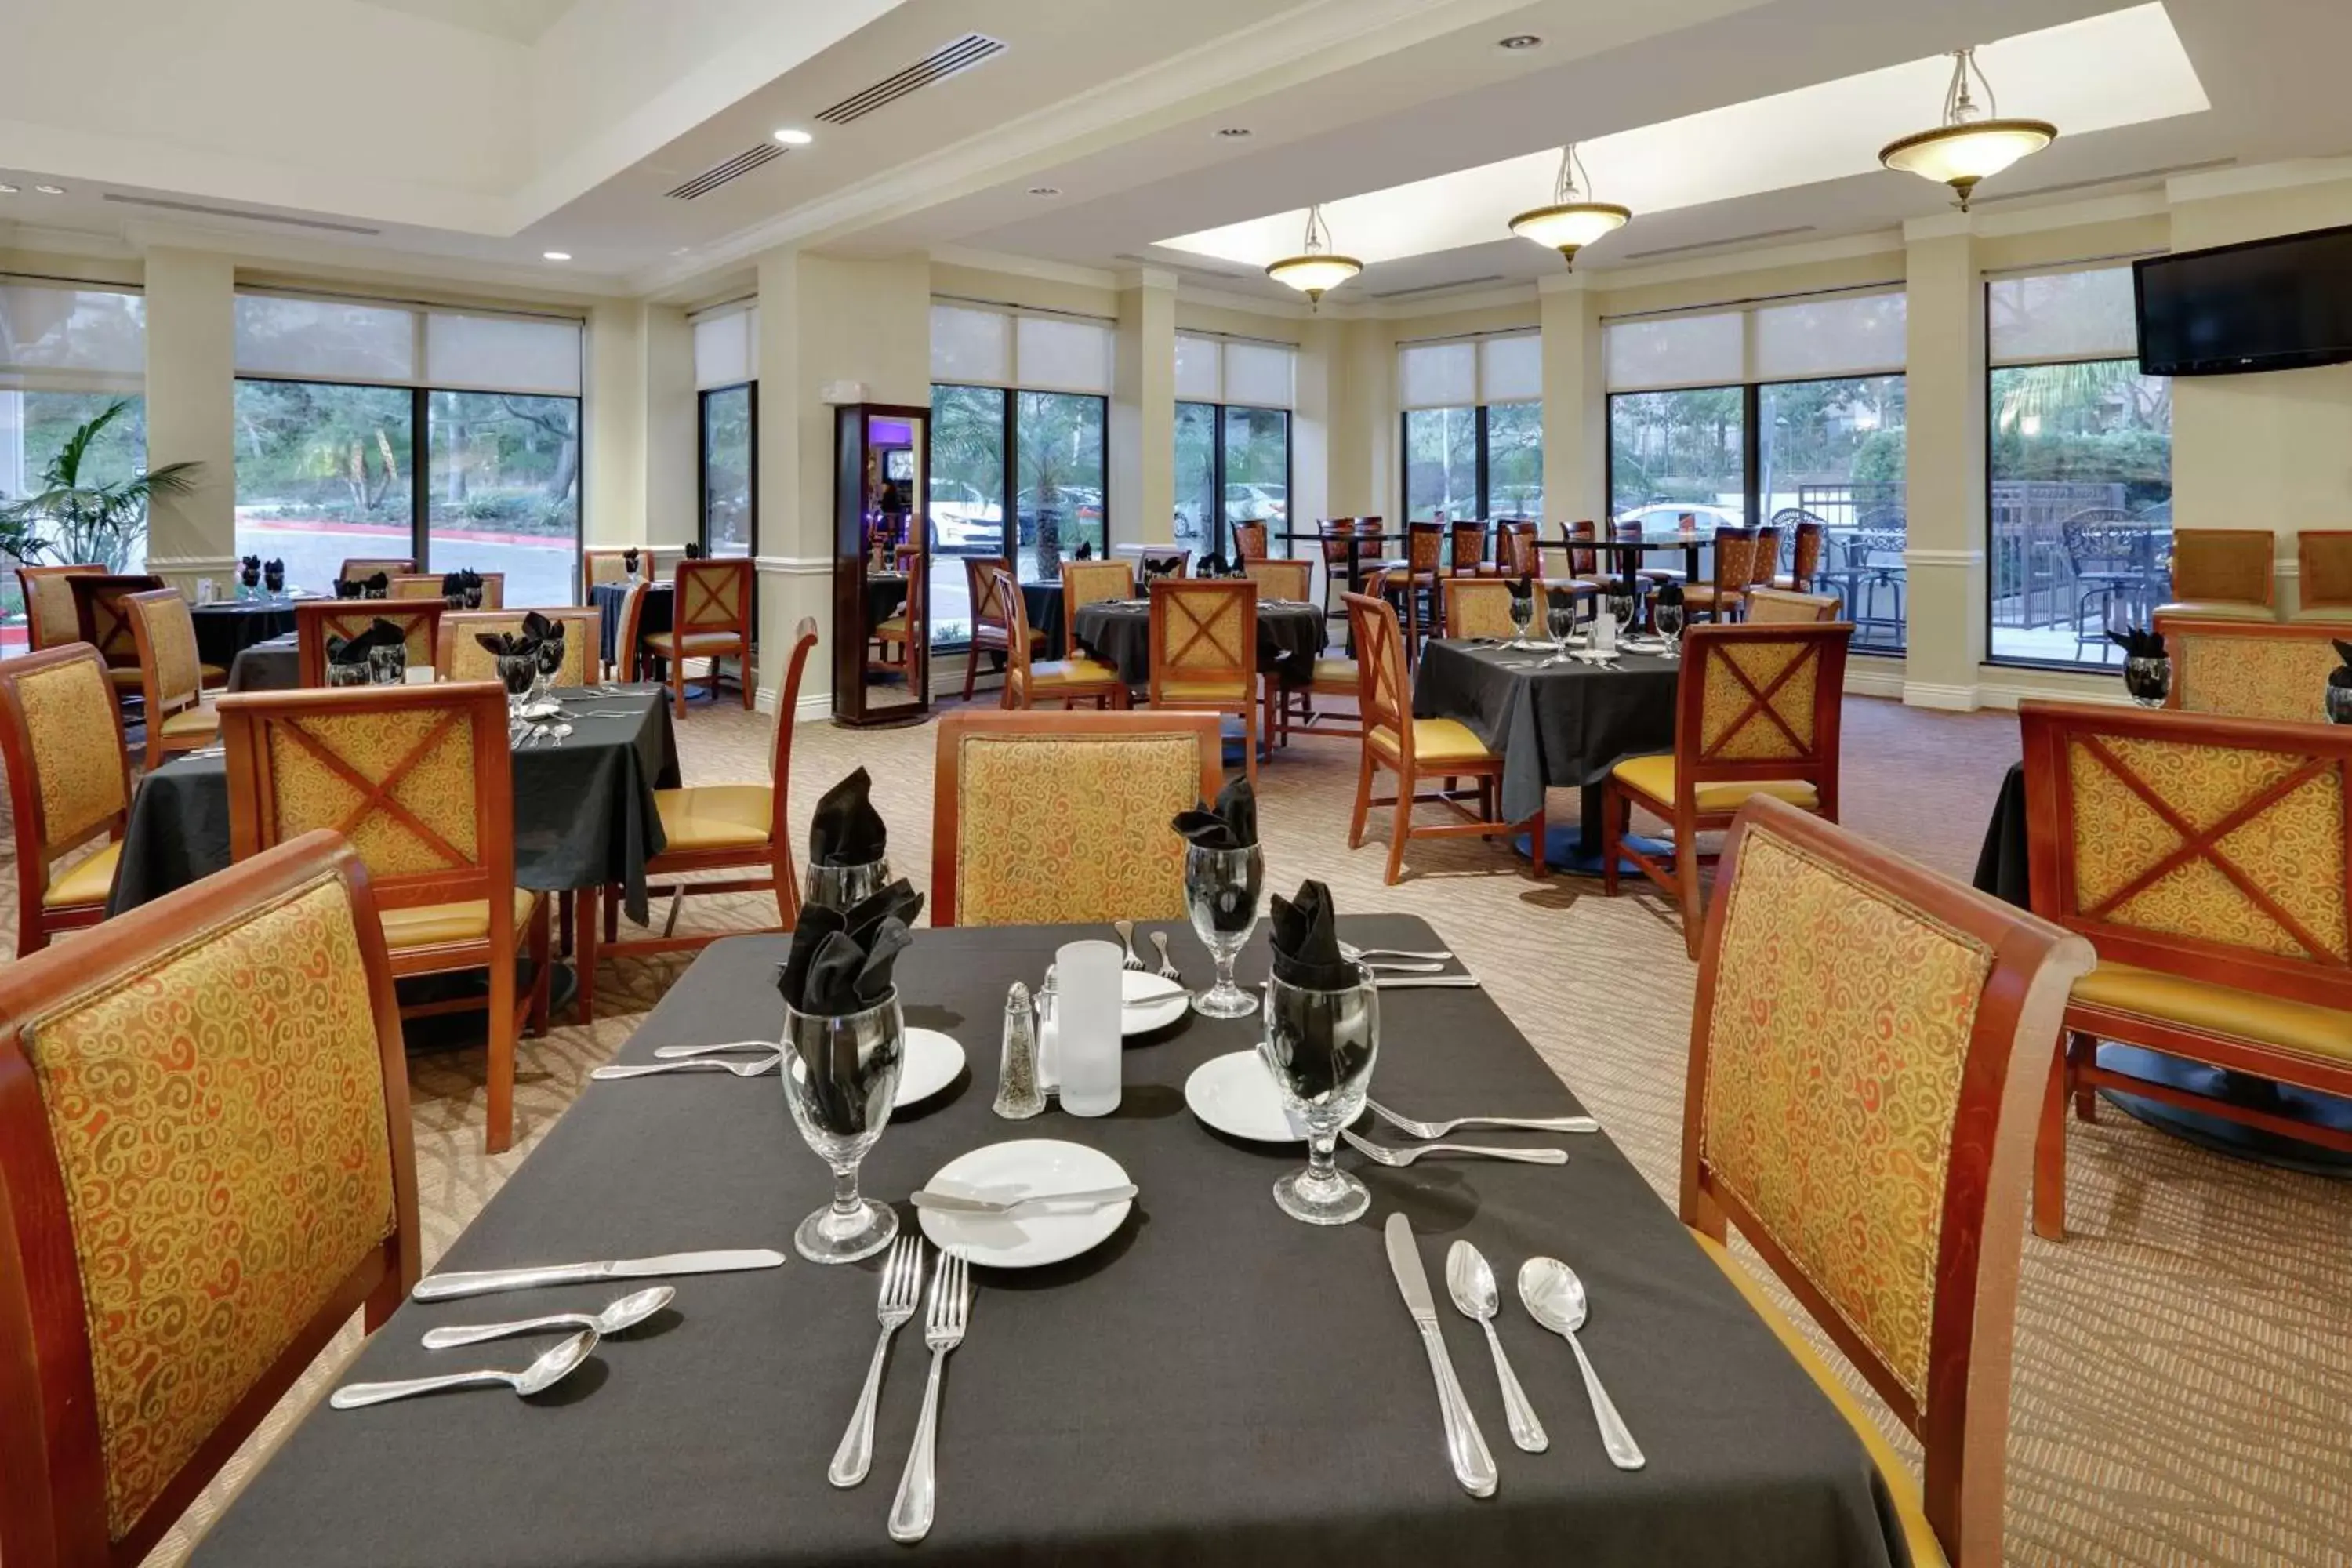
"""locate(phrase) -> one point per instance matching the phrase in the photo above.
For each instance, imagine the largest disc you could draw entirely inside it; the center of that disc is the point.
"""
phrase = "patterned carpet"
(2183, 1389)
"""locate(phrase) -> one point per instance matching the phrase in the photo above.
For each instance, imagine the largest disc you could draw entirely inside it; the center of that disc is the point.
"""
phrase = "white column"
(192, 411)
(617, 406)
(1944, 559)
(673, 433)
(1575, 400)
(1143, 457)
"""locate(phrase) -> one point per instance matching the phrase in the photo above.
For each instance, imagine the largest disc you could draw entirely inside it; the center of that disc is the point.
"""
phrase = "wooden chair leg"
(677, 687)
(1249, 743)
(1687, 880)
(2081, 1051)
(563, 913)
(497, 1131)
(788, 890)
(2050, 1153)
(751, 682)
(1363, 801)
(1404, 828)
(971, 669)
(1536, 848)
(584, 958)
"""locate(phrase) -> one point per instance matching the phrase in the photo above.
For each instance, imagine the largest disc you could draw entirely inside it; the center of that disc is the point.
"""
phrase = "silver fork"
(1126, 929)
(911, 1511)
(1166, 969)
(902, 1286)
(1525, 1123)
(724, 1047)
(1358, 954)
(1380, 1156)
(699, 1064)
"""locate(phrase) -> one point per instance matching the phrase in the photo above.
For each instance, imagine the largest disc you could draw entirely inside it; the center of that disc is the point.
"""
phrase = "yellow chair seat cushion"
(716, 817)
(201, 720)
(1902, 1486)
(1435, 741)
(1071, 672)
(2339, 614)
(1705, 594)
(692, 644)
(212, 672)
(892, 630)
(1337, 672)
(86, 881)
(2176, 999)
(431, 925)
(2219, 609)
(1654, 777)
(1201, 691)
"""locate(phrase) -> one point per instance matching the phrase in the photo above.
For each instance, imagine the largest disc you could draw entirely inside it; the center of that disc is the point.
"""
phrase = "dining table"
(1628, 549)
(275, 665)
(1211, 1382)
(1118, 632)
(1556, 726)
(652, 619)
(227, 627)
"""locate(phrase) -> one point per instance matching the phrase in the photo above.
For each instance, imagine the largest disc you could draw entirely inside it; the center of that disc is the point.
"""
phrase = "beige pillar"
(1945, 557)
(617, 407)
(1142, 457)
(1314, 436)
(672, 479)
(191, 411)
(1363, 422)
(1575, 400)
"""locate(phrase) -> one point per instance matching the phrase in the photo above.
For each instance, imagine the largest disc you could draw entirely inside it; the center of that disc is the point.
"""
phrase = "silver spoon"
(1472, 1285)
(625, 1313)
(552, 1367)
(1384, 1156)
(1168, 970)
(555, 733)
(1554, 1297)
(699, 1064)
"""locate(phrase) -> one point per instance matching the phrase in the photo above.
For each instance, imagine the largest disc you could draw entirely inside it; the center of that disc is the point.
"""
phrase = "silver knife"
(1474, 1467)
(1424, 982)
(957, 1203)
(483, 1282)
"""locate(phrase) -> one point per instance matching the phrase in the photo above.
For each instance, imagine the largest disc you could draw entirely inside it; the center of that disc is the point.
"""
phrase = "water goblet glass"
(1221, 888)
(1669, 619)
(1523, 616)
(1320, 1047)
(387, 666)
(844, 887)
(517, 672)
(1559, 619)
(2148, 679)
(841, 1075)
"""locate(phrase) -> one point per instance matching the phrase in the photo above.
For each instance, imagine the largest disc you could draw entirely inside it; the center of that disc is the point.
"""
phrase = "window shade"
(72, 339)
(1437, 376)
(1854, 334)
(1678, 350)
(1263, 375)
(972, 345)
(727, 348)
(1198, 377)
(1510, 370)
(2062, 316)
(325, 340)
(503, 353)
(1057, 355)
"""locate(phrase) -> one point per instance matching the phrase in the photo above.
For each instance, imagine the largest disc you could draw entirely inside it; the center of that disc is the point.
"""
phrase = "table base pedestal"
(2219, 1134)
(1566, 850)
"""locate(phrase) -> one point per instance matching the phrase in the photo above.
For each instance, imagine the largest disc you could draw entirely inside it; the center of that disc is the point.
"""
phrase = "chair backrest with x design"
(316, 620)
(2207, 846)
(714, 596)
(995, 589)
(418, 778)
(1204, 640)
(1761, 702)
(2250, 669)
(458, 655)
(104, 619)
(360, 568)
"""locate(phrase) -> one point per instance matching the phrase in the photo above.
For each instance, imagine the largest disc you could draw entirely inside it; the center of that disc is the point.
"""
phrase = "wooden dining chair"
(710, 619)
(2323, 580)
(1414, 579)
(205, 1169)
(430, 585)
(1755, 712)
(628, 634)
(1087, 583)
(1735, 571)
(1290, 580)
(1414, 749)
(1766, 561)
(1657, 576)
(1030, 681)
(601, 564)
(420, 779)
(360, 568)
(1250, 542)
(2223, 574)
(713, 828)
(895, 636)
(50, 617)
(69, 788)
(2248, 670)
(1867, 1044)
(1517, 550)
(1481, 608)
(2205, 859)
(458, 655)
(102, 619)
(1780, 607)
(1465, 549)
(316, 620)
(1587, 567)
(172, 677)
(991, 627)
(1331, 537)
(1163, 559)
(1063, 817)
(1205, 652)
(1805, 555)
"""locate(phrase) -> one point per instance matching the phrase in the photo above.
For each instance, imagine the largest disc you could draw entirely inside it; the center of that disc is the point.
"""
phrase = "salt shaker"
(1018, 1096)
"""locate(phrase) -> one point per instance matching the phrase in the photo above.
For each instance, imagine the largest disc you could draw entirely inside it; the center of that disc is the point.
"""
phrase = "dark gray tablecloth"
(228, 626)
(607, 598)
(273, 666)
(1565, 726)
(1289, 639)
(1217, 1383)
(2002, 868)
(583, 811)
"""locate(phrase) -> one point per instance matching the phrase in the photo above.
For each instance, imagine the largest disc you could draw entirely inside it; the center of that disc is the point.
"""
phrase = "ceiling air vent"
(1717, 244)
(1439, 288)
(941, 63)
(2166, 172)
(726, 169)
(200, 209)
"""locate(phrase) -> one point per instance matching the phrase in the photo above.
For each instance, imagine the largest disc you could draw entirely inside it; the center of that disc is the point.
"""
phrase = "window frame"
(1008, 501)
(1480, 436)
(1218, 528)
(702, 396)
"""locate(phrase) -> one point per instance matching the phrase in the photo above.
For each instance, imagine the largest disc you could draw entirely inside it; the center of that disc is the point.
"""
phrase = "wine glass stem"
(846, 1202)
(1321, 1164)
(1225, 956)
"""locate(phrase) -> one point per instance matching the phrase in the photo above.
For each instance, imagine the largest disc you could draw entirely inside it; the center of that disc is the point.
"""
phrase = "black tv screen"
(2271, 304)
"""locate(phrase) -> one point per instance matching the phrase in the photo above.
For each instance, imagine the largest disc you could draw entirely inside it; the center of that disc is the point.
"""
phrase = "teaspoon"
(1554, 1297)
(1472, 1285)
(625, 1313)
(552, 1367)
(699, 1064)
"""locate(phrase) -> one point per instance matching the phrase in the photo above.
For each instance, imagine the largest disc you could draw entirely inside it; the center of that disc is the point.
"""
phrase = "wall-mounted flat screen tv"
(2271, 304)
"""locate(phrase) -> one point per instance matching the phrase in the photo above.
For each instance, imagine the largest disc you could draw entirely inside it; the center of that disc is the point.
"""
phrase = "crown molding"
(1277, 309)
(2216, 184)
(1035, 266)
(1803, 253)
(1158, 278)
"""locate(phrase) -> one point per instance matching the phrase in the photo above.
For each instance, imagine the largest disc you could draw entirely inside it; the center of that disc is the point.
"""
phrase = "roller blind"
(1851, 334)
(1263, 375)
(503, 353)
(1510, 370)
(971, 345)
(63, 339)
(306, 339)
(1677, 351)
(2051, 316)
(1199, 375)
(1055, 353)
(1437, 376)
(727, 347)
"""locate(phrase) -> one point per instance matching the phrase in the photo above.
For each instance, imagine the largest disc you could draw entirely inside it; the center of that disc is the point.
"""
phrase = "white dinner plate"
(1234, 1093)
(1025, 1167)
(1134, 983)
(932, 1061)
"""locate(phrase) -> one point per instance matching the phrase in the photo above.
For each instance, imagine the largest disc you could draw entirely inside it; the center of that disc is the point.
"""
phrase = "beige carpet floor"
(2183, 1387)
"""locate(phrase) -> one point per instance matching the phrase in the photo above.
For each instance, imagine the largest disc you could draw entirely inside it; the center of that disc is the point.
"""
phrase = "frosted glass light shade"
(1569, 227)
(1313, 276)
(1960, 155)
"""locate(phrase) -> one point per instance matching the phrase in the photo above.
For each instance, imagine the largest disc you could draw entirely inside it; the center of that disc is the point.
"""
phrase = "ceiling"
(509, 128)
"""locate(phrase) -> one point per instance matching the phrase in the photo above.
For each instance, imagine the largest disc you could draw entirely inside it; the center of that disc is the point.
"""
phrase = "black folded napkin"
(1214, 566)
(847, 829)
(1523, 594)
(1231, 824)
(1305, 936)
(454, 584)
(1155, 569)
(249, 570)
(1085, 550)
(550, 641)
(2142, 642)
(1670, 593)
(694, 552)
(273, 572)
(376, 588)
(355, 650)
(841, 961)
(629, 562)
(2341, 675)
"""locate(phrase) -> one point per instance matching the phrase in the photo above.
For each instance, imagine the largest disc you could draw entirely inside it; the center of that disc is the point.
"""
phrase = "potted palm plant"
(73, 518)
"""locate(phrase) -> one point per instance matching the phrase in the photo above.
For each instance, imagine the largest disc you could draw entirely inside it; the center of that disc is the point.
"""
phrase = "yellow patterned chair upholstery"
(50, 618)
(1480, 607)
(172, 677)
(1053, 817)
(1780, 607)
(2323, 579)
(2247, 669)
(1204, 651)
(420, 780)
(316, 620)
(459, 657)
(1285, 580)
(1030, 681)
(1756, 713)
(360, 568)
(189, 1211)
(69, 788)
(2222, 573)
(1867, 1044)
(710, 619)
(429, 586)
(2205, 859)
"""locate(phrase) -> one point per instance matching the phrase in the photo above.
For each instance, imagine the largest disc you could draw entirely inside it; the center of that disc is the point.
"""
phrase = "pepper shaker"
(1018, 1097)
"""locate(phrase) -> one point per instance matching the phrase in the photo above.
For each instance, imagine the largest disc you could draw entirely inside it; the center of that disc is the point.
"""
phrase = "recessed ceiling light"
(1045, 190)
(1235, 132)
(50, 190)
(792, 137)
(8, 190)
(556, 255)
(681, 250)
(1520, 41)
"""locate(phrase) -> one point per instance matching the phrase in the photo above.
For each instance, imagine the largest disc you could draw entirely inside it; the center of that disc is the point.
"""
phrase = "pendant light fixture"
(1570, 222)
(1317, 269)
(1972, 144)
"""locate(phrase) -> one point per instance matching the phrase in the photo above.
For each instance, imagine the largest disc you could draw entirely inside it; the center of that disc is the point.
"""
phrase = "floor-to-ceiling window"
(1020, 418)
(69, 355)
(1233, 440)
(727, 396)
(378, 428)
(1472, 427)
(2079, 467)
(1776, 413)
